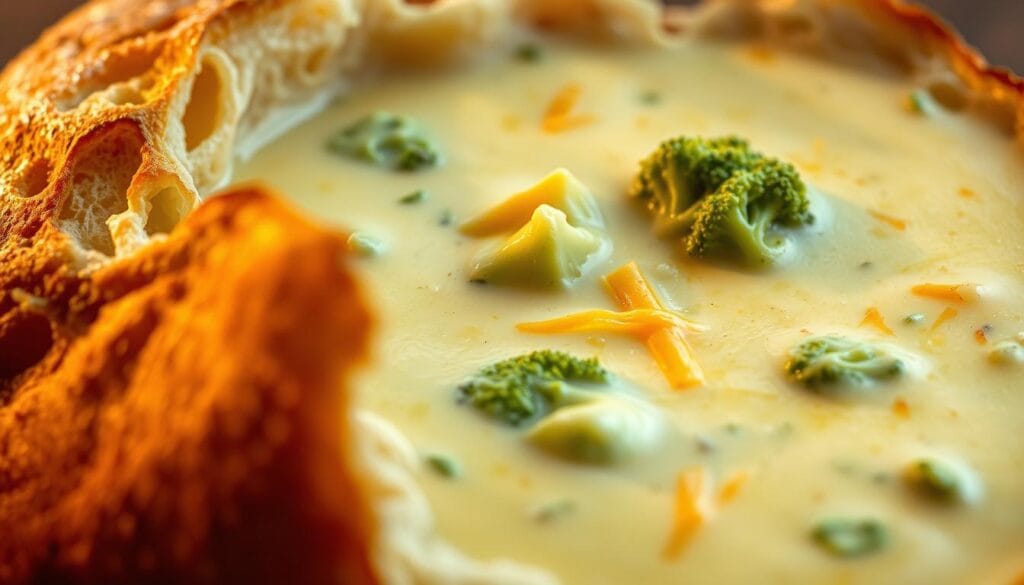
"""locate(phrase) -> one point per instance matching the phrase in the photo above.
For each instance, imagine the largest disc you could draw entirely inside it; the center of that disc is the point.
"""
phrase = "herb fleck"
(650, 98)
(553, 510)
(417, 196)
(529, 53)
(446, 218)
(921, 102)
(914, 319)
(443, 465)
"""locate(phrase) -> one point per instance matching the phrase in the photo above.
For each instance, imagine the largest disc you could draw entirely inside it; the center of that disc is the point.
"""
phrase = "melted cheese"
(891, 214)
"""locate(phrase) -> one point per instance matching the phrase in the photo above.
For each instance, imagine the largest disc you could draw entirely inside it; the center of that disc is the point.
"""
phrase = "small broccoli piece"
(942, 481)
(555, 235)
(550, 511)
(914, 319)
(850, 538)
(935, 478)
(386, 140)
(718, 195)
(446, 218)
(364, 245)
(443, 465)
(547, 252)
(527, 387)
(529, 53)
(601, 429)
(1007, 352)
(834, 360)
(567, 407)
(650, 98)
(414, 197)
(920, 101)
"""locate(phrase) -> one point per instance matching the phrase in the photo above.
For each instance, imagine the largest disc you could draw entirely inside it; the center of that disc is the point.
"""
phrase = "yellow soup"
(900, 198)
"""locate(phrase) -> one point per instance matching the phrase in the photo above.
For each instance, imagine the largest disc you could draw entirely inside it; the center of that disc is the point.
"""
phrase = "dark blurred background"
(992, 25)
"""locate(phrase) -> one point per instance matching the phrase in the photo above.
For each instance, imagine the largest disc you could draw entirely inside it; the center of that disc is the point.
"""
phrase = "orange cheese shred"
(946, 314)
(893, 222)
(900, 408)
(559, 115)
(642, 322)
(950, 293)
(630, 290)
(980, 337)
(874, 318)
(732, 487)
(692, 510)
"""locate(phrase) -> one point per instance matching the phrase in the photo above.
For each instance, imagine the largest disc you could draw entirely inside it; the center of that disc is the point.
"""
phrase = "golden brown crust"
(182, 428)
(170, 413)
(174, 416)
(908, 37)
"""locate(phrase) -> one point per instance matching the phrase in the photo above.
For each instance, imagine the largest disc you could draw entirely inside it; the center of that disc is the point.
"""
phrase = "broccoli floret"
(833, 360)
(522, 388)
(387, 140)
(547, 252)
(556, 235)
(567, 406)
(719, 195)
(599, 429)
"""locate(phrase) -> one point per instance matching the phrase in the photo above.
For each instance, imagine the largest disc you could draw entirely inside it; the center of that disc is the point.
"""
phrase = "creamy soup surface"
(900, 199)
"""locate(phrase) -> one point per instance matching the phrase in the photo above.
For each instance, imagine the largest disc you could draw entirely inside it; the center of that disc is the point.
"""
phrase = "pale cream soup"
(900, 199)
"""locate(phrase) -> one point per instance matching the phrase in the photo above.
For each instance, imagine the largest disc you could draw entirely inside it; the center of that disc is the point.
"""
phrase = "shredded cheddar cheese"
(732, 487)
(630, 290)
(980, 337)
(559, 115)
(874, 318)
(692, 510)
(642, 315)
(900, 408)
(947, 314)
(893, 222)
(642, 322)
(951, 293)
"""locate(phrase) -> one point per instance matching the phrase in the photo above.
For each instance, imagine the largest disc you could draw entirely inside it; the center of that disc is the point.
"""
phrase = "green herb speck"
(921, 102)
(914, 319)
(417, 196)
(446, 218)
(529, 53)
(650, 98)
(553, 510)
(443, 465)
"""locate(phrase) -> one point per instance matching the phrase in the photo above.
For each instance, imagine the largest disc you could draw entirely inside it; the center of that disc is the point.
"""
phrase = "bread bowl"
(172, 407)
